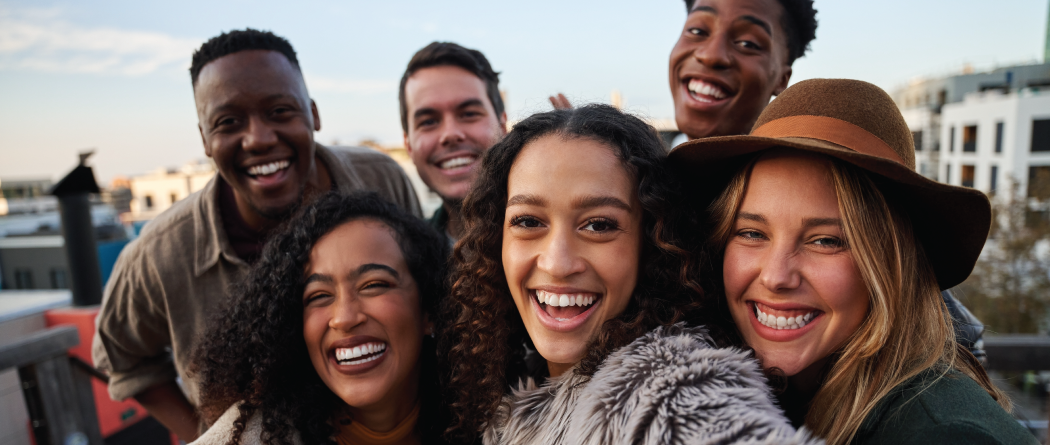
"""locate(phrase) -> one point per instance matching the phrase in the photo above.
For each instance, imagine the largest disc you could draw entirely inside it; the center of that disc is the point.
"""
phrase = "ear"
(408, 146)
(503, 122)
(317, 116)
(782, 84)
(207, 149)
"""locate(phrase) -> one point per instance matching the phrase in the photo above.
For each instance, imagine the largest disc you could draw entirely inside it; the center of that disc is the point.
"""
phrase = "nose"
(259, 137)
(780, 270)
(451, 133)
(560, 257)
(714, 52)
(347, 313)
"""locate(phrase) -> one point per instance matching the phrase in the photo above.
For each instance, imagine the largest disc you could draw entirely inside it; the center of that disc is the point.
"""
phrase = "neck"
(388, 412)
(557, 369)
(801, 388)
(455, 220)
(320, 181)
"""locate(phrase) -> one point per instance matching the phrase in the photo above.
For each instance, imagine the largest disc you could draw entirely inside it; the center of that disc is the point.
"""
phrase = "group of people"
(780, 279)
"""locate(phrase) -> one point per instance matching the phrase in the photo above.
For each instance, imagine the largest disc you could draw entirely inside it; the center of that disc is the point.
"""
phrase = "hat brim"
(950, 222)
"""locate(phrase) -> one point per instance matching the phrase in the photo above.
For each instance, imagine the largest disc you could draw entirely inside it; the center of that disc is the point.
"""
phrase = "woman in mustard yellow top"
(329, 339)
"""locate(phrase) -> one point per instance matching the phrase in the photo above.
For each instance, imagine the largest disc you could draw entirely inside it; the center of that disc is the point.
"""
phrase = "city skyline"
(112, 75)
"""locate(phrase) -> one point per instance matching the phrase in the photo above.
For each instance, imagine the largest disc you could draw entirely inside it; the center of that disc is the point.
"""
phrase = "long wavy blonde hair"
(908, 329)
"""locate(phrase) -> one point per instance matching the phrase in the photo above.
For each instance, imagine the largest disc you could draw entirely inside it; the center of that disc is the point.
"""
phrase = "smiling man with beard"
(257, 123)
(451, 113)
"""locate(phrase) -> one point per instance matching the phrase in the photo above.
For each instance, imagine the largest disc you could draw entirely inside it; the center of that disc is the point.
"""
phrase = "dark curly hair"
(485, 341)
(236, 41)
(451, 54)
(254, 351)
(799, 23)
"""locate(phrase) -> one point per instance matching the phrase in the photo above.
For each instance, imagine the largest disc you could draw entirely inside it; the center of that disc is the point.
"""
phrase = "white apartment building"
(153, 193)
(992, 136)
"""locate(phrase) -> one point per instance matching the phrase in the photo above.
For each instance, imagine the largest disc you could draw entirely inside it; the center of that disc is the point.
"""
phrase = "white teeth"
(781, 322)
(344, 354)
(267, 169)
(457, 162)
(564, 300)
(700, 87)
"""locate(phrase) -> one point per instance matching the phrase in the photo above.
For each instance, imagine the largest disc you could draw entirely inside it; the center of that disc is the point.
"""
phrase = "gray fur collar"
(670, 386)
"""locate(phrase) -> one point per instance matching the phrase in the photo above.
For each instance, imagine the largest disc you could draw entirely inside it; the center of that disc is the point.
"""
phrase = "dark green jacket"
(952, 409)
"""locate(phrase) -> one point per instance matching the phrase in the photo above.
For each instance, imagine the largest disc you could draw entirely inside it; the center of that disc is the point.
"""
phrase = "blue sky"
(112, 74)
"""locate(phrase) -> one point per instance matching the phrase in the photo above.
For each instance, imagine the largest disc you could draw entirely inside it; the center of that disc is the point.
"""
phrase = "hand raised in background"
(560, 102)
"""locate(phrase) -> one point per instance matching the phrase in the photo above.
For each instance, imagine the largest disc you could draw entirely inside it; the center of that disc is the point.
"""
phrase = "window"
(149, 202)
(951, 140)
(23, 279)
(998, 137)
(967, 176)
(970, 139)
(1041, 135)
(174, 198)
(917, 137)
(1039, 182)
(947, 173)
(58, 279)
(994, 179)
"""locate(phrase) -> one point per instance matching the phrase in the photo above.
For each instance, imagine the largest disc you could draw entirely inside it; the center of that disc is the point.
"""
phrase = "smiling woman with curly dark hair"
(573, 276)
(326, 340)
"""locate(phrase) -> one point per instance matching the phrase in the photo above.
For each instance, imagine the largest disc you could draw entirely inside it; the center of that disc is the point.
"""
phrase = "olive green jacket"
(951, 409)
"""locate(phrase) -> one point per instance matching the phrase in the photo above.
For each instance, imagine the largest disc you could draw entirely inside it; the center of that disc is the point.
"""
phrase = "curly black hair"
(799, 23)
(236, 41)
(485, 340)
(271, 371)
(451, 54)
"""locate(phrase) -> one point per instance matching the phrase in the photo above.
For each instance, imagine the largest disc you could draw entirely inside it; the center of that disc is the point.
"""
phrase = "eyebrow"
(748, 18)
(806, 223)
(430, 110)
(583, 202)
(590, 202)
(227, 106)
(327, 279)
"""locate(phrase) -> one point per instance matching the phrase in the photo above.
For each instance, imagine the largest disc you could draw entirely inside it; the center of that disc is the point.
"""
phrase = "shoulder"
(173, 226)
(673, 386)
(359, 156)
(941, 408)
(222, 431)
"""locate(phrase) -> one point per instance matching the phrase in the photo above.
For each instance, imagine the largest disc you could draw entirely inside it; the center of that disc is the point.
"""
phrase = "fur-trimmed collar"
(670, 386)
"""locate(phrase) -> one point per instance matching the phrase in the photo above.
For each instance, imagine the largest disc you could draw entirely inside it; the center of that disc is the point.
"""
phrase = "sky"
(112, 75)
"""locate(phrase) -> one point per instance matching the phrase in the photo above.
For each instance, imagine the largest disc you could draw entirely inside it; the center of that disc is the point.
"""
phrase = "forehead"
(245, 76)
(769, 11)
(443, 87)
(791, 183)
(557, 167)
(354, 243)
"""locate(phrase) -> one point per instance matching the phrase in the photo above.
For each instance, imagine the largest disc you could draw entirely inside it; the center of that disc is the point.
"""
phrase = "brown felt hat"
(858, 123)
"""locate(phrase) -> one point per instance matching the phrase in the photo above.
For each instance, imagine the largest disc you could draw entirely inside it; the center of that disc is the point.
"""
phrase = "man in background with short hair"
(451, 113)
(257, 124)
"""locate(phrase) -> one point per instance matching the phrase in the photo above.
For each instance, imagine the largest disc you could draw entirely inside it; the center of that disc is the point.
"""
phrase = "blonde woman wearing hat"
(833, 255)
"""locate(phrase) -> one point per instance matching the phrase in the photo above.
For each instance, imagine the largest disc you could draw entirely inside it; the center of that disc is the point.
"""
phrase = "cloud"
(40, 40)
(337, 85)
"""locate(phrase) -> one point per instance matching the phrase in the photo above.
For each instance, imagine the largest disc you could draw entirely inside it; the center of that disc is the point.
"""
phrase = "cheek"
(315, 324)
(846, 294)
(736, 275)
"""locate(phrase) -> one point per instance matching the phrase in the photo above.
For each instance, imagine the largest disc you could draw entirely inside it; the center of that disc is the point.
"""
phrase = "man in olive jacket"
(257, 123)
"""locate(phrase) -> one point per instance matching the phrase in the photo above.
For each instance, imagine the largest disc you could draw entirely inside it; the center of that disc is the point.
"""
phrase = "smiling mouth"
(360, 354)
(565, 307)
(270, 168)
(706, 92)
(783, 320)
(458, 161)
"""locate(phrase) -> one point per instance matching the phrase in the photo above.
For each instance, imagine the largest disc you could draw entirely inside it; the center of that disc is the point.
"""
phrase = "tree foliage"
(1009, 289)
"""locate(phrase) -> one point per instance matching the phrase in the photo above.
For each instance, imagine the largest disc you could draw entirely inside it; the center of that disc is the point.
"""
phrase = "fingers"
(560, 102)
